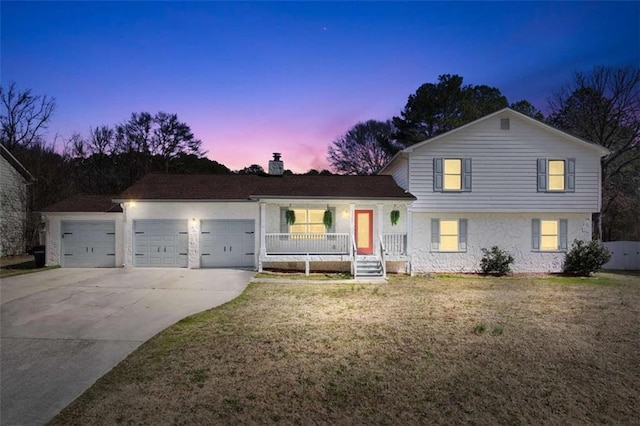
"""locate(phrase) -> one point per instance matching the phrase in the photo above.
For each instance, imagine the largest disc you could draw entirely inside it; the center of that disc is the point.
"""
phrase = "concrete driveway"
(63, 329)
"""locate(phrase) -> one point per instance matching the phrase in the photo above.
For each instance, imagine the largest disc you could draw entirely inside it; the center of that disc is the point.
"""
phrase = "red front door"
(364, 231)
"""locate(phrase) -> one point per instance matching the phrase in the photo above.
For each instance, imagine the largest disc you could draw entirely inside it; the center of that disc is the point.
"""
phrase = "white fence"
(624, 255)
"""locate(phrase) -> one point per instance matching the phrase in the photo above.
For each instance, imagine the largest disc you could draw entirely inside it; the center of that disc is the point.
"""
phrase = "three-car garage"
(89, 231)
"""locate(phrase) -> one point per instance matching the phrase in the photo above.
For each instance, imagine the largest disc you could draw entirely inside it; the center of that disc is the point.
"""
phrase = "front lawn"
(447, 349)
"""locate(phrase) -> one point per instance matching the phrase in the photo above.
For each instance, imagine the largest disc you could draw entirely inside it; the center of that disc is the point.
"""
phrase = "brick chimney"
(276, 166)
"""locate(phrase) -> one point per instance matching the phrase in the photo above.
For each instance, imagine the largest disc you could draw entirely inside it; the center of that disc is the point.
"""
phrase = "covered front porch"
(363, 238)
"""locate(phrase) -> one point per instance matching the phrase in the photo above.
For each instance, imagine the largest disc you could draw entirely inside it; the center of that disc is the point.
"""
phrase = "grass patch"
(618, 272)
(322, 276)
(598, 279)
(22, 268)
(480, 329)
(414, 351)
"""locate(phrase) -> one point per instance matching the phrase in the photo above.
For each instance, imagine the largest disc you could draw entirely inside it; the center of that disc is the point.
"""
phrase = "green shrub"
(495, 261)
(585, 258)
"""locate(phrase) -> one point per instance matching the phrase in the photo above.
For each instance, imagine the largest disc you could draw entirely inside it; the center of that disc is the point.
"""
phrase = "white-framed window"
(549, 235)
(307, 221)
(452, 174)
(449, 235)
(556, 175)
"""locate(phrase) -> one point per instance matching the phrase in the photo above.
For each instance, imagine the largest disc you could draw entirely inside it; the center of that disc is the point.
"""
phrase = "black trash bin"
(38, 253)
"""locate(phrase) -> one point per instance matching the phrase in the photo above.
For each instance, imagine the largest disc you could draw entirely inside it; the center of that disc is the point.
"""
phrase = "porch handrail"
(354, 256)
(382, 256)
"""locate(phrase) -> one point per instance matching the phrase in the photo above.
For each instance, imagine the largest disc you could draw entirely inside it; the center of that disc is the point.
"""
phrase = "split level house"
(505, 179)
(15, 179)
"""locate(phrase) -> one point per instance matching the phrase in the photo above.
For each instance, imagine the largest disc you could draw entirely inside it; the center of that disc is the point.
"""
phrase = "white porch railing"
(302, 243)
(395, 244)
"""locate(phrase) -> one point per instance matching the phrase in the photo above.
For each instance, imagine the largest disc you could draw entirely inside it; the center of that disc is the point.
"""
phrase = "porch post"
(410, 239)
(379, 228)
(352, 226)
(263, 237)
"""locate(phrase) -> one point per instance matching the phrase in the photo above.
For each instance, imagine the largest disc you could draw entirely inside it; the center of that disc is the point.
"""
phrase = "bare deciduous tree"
(364, 149)
(171, 137)
(24, 116)
(603, 107)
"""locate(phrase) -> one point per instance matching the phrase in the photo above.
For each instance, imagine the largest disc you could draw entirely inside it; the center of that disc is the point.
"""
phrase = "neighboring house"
(505, 180)
(14, 179)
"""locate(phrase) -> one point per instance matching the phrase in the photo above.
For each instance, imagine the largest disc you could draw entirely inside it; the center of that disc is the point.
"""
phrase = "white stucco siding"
(53, 230)
(510, 232)
(13, 190)
(504, 170)
(194, 213)
(401, 226)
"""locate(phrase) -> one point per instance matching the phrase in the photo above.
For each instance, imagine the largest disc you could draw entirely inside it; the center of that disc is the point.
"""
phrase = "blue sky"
(251, 78)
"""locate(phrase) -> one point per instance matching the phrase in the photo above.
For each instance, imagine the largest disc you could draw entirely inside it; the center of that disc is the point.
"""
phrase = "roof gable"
(602, 151)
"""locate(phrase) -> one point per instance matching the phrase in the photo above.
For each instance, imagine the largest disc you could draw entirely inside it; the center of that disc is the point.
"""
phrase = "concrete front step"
(368, 267)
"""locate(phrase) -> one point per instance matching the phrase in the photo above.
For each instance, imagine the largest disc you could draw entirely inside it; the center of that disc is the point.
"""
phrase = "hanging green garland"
(327, 218)
(395, 216)
(290, 216)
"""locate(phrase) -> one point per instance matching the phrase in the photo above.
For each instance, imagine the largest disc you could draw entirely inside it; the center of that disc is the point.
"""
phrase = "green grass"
(22, 268)
(479, 350)
(618, 272)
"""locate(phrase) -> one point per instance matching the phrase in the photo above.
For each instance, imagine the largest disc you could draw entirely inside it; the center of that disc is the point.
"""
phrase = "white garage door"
(161, 243)
(89, 244)
(227, 243)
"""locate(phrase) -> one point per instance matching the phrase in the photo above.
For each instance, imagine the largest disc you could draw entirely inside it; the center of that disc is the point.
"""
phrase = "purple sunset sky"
(254, 78)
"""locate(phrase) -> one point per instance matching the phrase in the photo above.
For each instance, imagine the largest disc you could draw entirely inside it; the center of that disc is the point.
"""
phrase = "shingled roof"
(250, 187)
(16, 164)
(85, 203)
(335, 186)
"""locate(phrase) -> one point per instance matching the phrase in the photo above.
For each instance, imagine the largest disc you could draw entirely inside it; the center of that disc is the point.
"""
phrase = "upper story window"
(452, 174)
(556, 175)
